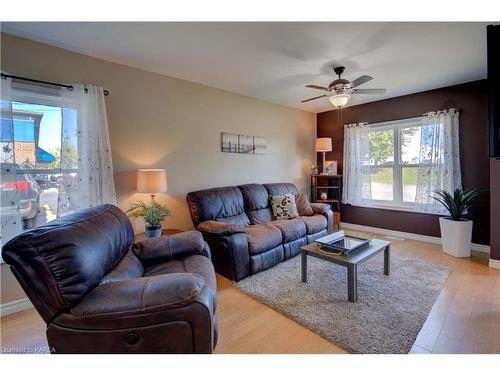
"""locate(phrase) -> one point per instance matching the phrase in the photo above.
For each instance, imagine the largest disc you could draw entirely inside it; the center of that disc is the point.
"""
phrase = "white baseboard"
(495, 264)
(15, 306)
(408, 236)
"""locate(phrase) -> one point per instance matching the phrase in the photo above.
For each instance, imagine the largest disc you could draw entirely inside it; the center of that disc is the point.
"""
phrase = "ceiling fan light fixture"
(339, 100)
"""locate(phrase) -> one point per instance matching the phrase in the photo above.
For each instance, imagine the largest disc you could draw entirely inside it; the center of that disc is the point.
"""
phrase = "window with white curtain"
(399, 164)
(55, 155)
(39, 158)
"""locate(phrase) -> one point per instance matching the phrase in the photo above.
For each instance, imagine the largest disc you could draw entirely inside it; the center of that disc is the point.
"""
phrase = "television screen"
(494, 89)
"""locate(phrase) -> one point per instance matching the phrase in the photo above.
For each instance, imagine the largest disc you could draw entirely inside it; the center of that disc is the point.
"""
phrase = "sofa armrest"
(325, 210)
(320, 208)
(230, 254)
(141, 295)
(219, 228)
(164, 248)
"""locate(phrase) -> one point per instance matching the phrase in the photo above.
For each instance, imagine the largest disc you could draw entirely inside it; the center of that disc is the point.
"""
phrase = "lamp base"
(324, 163)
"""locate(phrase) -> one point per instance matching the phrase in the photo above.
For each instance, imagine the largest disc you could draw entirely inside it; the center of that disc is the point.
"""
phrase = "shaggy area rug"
(387, 317)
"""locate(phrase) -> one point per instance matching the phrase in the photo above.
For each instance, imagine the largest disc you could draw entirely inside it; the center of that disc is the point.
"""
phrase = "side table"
(164, 232)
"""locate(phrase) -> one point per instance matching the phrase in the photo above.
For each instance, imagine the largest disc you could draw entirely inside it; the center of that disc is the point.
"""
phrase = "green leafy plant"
(458, 202)
(154, 213)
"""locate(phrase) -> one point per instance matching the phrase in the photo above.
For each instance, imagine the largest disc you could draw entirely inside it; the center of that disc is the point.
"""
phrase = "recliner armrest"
(164, 248)
(142, 294)
(320, 208)
(219, 228)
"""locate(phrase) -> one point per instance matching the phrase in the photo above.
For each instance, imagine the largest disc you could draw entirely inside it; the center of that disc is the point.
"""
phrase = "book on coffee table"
(340, 243)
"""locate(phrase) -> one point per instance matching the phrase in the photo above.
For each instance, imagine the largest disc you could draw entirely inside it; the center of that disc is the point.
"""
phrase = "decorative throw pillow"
(284, 207)
(303, 206)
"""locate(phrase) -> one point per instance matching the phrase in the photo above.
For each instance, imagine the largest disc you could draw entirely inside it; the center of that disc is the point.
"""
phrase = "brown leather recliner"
(99, 292)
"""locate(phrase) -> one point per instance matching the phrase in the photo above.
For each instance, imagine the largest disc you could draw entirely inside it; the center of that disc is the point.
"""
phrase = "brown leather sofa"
(99, 292)
(237, 223)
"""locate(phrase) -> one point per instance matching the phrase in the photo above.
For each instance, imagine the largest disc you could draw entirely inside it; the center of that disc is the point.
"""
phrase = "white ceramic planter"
(456, 236)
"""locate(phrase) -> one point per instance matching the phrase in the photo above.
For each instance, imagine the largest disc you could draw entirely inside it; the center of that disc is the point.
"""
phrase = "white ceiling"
(273, 61)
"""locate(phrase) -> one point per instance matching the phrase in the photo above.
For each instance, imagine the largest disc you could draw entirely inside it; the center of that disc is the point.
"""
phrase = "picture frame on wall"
(229, 142)
(260, 145)
(331, 167)
(243, 144)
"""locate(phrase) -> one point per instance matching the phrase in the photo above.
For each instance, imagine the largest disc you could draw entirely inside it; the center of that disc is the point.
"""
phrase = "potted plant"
(314, 169)
(456, 231)
(154, 214)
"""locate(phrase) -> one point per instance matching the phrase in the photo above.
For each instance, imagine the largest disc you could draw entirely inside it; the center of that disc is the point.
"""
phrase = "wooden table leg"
(387, 260)
(352, 283)
(304, 266)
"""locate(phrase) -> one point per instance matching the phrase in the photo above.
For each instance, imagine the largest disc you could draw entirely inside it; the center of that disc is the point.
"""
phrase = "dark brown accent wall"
(472, 99)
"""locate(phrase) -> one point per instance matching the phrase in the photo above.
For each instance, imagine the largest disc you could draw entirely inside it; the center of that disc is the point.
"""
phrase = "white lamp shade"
(151, 181)
(339, 100)
(323, 144)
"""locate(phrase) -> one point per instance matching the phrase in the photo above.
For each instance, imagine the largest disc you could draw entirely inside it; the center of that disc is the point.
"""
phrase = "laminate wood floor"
(464, 319)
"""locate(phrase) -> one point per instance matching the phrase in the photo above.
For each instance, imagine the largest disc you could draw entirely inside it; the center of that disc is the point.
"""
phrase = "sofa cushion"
(315, 223)
(281, 189)
(240, 219)
(291, 230)
(256, 202)
(262, 216)
(129, 267)
(220, 228)
(303, 206)
(196, 264)
(262, 237)
(284, 207)
(223, 204)
(255, 196)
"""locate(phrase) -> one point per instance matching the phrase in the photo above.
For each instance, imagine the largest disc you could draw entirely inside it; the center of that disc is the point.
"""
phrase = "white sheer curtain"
(95, 167)
(356, 149)
(11, 222)
(439, 158)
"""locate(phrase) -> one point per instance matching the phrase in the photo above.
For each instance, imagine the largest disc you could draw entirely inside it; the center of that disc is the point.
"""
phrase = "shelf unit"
(332, 186)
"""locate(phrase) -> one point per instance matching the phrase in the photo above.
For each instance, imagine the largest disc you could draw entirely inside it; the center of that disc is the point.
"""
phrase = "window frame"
(29, 94)
(397, 203)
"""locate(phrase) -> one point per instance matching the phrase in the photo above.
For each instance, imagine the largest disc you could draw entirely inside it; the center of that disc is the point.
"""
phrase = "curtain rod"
(409, 118)
(69, 87)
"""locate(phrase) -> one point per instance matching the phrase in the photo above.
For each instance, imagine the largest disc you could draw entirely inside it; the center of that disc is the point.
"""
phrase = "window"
(399, 164)
(394, 162)
(39, 159)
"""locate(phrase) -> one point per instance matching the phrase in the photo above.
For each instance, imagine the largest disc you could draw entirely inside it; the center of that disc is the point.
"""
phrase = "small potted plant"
(314, 169)
(456, 231)
(154, 214)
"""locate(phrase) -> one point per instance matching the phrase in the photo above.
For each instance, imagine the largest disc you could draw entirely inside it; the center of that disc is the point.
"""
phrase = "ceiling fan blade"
(368, 91)
(360, 80)
(316, 97)
(317, 87)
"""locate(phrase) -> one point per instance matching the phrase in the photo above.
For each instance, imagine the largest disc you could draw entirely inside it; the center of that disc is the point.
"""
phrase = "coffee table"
(350, 261)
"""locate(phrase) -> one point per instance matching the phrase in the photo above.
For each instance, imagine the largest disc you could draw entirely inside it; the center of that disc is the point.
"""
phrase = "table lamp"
(323, 145)
(151, 181)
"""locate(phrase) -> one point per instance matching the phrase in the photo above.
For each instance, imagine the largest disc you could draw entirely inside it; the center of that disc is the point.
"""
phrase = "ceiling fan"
(339, 91)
